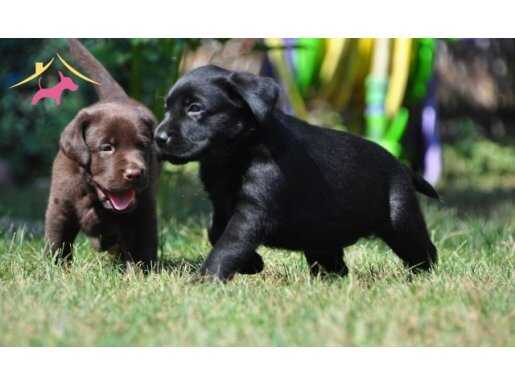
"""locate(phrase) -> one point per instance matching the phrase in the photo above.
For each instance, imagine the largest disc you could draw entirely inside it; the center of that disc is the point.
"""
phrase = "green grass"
(468, 300)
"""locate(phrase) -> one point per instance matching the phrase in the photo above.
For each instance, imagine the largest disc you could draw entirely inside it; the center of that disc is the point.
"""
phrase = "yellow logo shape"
(75, 72)
(39, 69)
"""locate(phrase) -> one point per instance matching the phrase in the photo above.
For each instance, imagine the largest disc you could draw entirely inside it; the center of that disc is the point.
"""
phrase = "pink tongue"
(123, 200)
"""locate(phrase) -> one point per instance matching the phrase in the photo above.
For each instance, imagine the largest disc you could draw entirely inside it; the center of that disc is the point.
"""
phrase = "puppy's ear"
(72, 141)
(147, 117)
(260, 93)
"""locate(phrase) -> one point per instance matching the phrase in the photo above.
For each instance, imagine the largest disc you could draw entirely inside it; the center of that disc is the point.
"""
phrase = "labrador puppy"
(104, 175)
(279, 181)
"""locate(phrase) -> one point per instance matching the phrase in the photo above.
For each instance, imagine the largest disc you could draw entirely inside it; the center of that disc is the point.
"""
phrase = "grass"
(468, 300)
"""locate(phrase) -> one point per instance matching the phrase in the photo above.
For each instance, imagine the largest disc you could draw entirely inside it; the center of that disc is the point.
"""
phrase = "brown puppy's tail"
(108, 88)
(422, 186)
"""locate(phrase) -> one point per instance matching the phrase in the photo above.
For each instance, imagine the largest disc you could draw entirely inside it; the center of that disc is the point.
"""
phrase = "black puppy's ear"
(72, 141)
(260, 93)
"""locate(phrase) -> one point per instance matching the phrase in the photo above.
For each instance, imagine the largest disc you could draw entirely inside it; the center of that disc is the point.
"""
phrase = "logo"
(65, 83)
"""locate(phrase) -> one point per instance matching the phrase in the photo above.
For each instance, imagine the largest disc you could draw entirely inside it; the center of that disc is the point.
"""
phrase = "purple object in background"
(289, 52)
(433, 148)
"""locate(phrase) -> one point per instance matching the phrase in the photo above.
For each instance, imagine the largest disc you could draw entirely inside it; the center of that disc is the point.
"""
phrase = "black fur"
(278, 181)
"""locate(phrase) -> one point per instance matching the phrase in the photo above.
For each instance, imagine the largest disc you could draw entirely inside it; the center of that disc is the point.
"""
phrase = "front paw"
(253, 265)
(215, 272)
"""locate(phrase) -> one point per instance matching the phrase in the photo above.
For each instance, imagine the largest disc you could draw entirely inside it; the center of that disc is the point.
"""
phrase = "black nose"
(162, 138)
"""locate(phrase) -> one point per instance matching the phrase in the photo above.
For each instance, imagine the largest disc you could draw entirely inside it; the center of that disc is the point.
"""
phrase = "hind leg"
(407, 233)
(416, 253)
(326, 261)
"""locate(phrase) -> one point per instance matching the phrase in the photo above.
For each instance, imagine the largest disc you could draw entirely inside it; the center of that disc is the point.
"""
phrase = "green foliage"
(489, 157)
(474, 155)
(29, 134)
(146, 68)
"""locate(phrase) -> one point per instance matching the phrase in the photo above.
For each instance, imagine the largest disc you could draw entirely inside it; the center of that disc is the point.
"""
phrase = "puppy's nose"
(162, 138)
(133, 174)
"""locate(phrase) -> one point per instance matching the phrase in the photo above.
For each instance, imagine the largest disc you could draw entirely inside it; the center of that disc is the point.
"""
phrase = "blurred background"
(446, 107)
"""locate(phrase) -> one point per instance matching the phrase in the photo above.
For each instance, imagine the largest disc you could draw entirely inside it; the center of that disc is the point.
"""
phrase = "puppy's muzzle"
(161, 135)
(162, 139)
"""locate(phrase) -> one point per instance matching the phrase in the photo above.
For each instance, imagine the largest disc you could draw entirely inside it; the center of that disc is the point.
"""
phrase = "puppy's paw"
(253, 266)
(215, 274)
(208, 278)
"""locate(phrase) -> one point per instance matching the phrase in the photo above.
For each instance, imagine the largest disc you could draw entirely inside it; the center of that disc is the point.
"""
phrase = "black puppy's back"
(330, 186)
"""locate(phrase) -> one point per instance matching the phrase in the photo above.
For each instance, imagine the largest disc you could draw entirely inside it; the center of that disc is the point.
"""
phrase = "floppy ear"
(147, 117)
(260, 93)
(72, 141)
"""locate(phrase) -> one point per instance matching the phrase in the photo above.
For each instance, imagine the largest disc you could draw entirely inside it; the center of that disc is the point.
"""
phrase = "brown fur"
(83, 176)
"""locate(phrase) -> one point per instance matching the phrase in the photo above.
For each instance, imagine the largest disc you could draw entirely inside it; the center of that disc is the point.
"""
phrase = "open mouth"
(122, 201)
(117, 201)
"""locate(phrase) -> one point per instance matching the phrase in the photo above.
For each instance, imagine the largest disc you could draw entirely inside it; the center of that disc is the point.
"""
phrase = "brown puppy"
(104, 175)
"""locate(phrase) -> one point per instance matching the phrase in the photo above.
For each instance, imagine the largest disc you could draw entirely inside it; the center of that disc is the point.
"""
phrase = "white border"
(260, 366)
(257, 18)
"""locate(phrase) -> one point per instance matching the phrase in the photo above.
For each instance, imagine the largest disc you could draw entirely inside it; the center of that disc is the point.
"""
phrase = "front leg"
(140, 237)
(234, 250)
(61, 228)
(251, 265)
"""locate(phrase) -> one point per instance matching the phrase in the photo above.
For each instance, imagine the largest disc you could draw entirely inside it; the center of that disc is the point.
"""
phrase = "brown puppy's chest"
(105, 229)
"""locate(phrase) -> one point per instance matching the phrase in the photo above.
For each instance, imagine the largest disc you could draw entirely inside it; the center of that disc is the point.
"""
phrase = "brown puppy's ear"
(72, 141)
(150, 123)
(147, 117)
(260, 93)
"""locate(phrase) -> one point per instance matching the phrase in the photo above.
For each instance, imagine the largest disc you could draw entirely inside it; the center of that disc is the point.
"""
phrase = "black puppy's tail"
(423, 186)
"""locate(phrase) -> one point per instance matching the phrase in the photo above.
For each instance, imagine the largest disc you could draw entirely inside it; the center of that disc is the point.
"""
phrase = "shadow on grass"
(23, 208)
(477, 202)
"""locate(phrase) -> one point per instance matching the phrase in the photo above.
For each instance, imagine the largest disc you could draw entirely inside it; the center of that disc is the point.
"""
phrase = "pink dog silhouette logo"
(54, 93)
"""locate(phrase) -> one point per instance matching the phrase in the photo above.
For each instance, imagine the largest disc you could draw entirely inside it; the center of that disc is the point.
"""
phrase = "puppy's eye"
(106, 148)
(194, 109)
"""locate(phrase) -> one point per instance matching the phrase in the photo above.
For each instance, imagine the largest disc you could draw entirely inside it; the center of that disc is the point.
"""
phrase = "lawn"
(468, 300)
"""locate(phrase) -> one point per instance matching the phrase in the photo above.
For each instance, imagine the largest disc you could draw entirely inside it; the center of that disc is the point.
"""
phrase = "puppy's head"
(113, 142)
(210, 110)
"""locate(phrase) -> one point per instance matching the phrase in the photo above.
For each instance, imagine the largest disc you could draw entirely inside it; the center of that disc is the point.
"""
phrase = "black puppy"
(278, 181)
